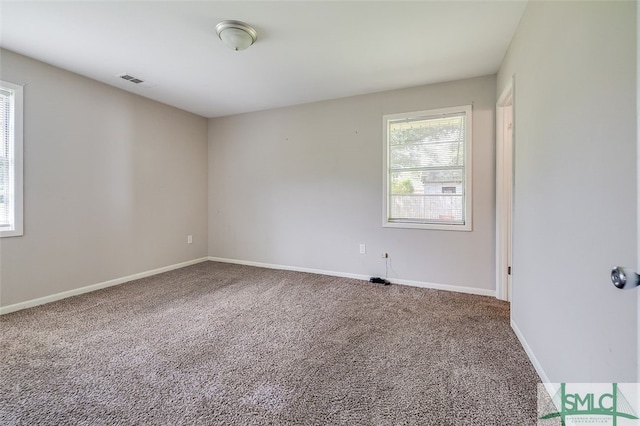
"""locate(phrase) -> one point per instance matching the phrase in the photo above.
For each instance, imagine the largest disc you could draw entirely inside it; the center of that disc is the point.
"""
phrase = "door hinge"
(509, 270)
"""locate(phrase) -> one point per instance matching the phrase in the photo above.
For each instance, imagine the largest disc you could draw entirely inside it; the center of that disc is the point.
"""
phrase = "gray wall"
(114, 183)
(575, 187)
(302, 187)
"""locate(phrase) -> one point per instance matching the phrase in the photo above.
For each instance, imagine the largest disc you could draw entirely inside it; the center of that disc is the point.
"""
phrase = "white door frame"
(638, 186)
(504, 188)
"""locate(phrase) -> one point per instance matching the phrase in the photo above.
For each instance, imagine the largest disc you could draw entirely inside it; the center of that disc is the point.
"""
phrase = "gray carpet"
(221, 344)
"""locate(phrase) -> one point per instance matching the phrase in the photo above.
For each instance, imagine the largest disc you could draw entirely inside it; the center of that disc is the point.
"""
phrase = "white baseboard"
(110, 283)
(447, 287)
(288, 268)
(89, 288)
(550, 387)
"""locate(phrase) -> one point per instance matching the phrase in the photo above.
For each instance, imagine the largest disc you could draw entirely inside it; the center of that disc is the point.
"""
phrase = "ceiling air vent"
(135, 80)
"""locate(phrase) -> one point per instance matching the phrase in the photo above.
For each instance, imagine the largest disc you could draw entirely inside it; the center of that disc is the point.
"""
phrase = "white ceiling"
(306, 51)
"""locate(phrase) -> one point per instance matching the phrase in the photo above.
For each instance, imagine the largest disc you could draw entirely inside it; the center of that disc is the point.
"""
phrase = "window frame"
(387, 222)
(17, 221)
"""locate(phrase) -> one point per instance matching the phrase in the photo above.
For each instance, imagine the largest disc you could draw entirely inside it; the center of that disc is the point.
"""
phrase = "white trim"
(90, 288)
(446, 287)
(288, 268)
(551, 389)
(18, 160)
(507, 92)
(638, 185)
(468, 169)
(434, 226)
(504, 188)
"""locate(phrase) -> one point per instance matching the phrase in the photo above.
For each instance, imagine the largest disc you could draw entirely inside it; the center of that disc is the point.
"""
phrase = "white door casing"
(504, 190)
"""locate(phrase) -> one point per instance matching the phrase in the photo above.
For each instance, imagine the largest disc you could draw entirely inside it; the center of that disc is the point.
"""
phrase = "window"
(427, 160)
(10, 159)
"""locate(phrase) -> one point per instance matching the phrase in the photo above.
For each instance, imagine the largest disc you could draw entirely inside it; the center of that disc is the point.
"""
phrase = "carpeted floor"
(221, 344)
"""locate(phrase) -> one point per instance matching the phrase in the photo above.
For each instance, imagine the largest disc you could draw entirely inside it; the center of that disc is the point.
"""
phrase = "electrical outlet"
(189, 239)
(363, 249)
(384, 255)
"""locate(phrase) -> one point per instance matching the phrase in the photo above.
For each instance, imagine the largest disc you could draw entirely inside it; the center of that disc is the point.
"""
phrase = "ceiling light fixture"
(237, 35)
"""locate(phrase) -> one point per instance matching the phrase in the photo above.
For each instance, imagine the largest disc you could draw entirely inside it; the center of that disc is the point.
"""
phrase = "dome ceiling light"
(237, 35)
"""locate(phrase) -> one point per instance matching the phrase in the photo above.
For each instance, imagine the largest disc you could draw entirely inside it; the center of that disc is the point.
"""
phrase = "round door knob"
(623, 278)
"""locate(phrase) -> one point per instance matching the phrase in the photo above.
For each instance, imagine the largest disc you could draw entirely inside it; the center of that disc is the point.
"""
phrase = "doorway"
(505, 131)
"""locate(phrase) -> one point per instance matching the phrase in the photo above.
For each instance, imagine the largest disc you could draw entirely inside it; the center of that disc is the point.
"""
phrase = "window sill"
(12, 233)
(433, 226)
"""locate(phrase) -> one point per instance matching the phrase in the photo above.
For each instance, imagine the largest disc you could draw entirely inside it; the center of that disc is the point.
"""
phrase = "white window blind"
(10, 159)
(427, 167)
